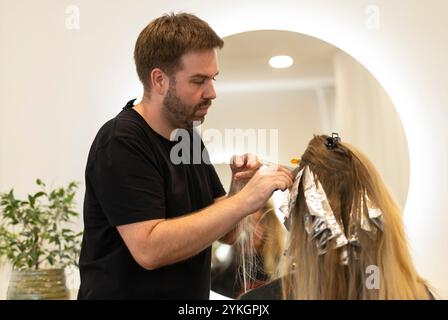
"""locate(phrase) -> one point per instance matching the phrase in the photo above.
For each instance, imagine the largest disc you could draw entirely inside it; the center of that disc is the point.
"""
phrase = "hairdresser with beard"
(149, 221)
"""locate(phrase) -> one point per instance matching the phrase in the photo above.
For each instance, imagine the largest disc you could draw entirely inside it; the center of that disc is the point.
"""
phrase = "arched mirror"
(318, 89)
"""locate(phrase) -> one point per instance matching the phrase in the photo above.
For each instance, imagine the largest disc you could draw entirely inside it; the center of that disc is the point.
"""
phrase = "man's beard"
(178, 113)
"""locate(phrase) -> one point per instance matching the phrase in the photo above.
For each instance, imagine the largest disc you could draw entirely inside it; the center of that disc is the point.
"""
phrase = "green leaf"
(73, 213)
(31, 200)
(39, 194)
(41, 232)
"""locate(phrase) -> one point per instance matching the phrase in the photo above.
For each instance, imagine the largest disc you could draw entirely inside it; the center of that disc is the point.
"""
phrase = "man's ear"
(159, 81)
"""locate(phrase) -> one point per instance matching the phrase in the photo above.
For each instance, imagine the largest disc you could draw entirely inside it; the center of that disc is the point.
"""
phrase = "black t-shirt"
(130, 178)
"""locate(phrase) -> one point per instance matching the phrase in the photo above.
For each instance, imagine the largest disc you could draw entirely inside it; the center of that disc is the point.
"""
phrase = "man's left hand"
(244, 167)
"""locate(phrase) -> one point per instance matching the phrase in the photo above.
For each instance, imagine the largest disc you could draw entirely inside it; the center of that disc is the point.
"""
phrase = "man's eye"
(198, 81)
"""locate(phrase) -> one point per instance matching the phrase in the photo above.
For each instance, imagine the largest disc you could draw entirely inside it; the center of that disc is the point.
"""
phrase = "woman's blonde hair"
(344, 174)
(274, 239)
(268, 256)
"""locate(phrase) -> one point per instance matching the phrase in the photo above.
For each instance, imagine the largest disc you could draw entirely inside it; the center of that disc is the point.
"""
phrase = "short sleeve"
(127, 183)
(217, 188)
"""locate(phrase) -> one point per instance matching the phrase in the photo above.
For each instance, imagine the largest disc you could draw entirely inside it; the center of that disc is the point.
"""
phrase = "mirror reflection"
(289, 87)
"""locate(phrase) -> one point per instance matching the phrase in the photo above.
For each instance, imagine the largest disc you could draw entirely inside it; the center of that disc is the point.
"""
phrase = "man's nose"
(210, 92)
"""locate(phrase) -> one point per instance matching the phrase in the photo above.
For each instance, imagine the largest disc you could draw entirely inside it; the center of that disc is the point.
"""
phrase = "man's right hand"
(261, 186)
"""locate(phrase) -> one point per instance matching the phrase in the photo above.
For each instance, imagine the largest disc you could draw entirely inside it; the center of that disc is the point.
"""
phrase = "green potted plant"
(36, 239)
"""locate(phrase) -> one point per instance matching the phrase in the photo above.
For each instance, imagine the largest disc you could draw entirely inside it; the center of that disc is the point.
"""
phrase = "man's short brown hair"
(163, 42)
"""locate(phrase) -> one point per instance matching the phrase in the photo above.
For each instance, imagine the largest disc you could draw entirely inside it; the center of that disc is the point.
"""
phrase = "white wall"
(366, 117)
(57, 86)
(294, 114)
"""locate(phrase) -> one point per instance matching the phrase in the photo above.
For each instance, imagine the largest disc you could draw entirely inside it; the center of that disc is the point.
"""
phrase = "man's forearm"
(232, 236)
(175, 240)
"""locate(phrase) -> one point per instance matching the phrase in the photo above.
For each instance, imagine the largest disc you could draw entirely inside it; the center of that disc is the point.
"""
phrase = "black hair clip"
(332, 142)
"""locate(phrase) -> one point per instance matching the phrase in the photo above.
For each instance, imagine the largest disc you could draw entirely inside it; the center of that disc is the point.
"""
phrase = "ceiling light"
(281, 62)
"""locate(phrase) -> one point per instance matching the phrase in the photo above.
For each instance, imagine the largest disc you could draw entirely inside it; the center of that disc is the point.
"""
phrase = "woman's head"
(358, 229)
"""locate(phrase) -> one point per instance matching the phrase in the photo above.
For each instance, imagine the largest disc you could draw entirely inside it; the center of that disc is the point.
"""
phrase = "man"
(148, 222)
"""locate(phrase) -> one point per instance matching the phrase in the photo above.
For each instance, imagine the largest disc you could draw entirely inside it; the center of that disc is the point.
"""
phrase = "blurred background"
(325, 90)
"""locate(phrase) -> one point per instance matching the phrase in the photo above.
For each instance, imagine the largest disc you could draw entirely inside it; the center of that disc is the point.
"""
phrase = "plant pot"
(45, 284)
